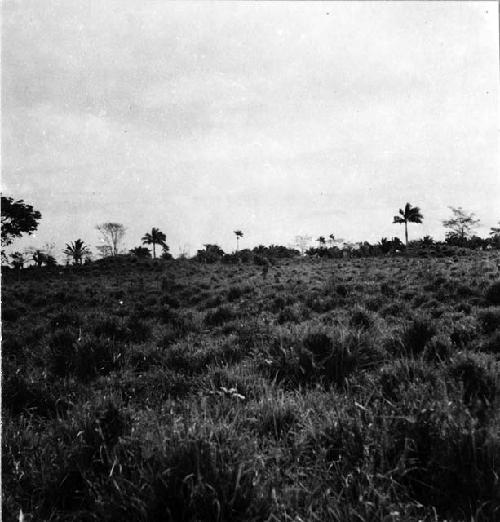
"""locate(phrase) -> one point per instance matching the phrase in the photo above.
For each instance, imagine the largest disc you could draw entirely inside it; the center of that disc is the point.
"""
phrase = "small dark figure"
(265, 270)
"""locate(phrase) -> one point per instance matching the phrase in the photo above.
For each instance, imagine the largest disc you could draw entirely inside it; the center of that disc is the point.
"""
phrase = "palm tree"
(156, 237)
(408, 215)
(322, 241)
(76, 250)
(495, 231)
(239, 234)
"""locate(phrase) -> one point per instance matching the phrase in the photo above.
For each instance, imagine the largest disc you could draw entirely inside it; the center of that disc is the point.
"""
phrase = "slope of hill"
(361, 389)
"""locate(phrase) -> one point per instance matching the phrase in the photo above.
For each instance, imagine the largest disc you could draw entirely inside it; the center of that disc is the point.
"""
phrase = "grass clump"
(493, 293)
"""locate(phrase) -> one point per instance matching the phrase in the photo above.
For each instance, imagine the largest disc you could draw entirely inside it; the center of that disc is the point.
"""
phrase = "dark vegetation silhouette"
(76, 250)
(17, 218)
(408, 215)
(239, 235)
(155, 237)
(461, 225)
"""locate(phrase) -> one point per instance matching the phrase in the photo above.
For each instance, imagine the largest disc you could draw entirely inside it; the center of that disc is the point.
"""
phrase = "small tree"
(112, 235)
(156, 237)
(76, 250)
(238, 234)
(461, 225)
(17, 218)
(408, 215)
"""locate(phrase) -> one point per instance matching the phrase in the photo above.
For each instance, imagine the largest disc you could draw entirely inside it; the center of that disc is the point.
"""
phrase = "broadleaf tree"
(461, 225)
(17, 218)
(111, 235)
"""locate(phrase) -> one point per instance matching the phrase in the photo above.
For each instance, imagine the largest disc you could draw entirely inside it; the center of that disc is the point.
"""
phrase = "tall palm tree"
(408, 215)
(76, 250)
(239, 234)
(156, 237)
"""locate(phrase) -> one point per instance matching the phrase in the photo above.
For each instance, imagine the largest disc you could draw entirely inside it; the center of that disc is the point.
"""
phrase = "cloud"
(191, 115)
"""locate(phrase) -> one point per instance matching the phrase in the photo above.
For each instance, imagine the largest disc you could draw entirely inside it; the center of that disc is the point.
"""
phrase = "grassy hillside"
(324, 390)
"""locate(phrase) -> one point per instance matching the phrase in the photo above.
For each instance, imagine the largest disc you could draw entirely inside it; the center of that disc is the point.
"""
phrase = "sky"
(275, 118)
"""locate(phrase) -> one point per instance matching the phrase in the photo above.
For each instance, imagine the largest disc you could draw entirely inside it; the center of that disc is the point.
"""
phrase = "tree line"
(20, 218)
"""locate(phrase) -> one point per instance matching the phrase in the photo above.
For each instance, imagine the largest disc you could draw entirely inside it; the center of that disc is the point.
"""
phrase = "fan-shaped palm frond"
(76, 249)
(408, 215)
(155, 237)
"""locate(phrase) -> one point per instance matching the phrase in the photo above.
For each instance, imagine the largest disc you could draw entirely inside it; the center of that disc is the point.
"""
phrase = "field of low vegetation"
(312, 390)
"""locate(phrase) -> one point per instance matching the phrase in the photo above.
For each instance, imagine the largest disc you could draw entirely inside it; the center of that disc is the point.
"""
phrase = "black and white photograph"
(250, 261)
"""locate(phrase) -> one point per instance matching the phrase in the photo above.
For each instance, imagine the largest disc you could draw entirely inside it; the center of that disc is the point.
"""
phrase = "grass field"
(361, 390)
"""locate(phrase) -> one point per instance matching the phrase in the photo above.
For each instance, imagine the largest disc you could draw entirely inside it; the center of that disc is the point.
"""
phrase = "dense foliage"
(17, 218)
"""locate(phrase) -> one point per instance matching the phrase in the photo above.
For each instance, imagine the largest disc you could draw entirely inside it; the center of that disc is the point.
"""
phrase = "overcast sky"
(275, 118)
